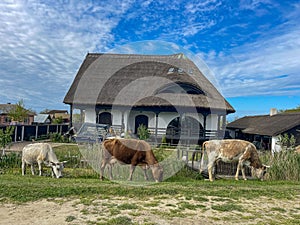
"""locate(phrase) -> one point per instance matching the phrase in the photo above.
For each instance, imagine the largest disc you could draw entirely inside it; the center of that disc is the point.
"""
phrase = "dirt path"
(161, 210)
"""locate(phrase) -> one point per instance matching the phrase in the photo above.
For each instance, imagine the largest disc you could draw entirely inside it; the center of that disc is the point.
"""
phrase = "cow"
(41, 153)
(133, 152)
(233, 150)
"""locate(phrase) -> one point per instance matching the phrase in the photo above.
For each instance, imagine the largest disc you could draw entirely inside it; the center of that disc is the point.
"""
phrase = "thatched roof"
(266, 124)
(142, 81)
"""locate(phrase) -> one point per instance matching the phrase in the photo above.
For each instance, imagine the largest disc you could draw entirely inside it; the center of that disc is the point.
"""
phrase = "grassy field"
(185, 198)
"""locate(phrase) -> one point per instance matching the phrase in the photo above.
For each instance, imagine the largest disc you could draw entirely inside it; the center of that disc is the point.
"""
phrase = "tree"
(297, 109)
(5, 137)
(18, 113)
(58, 120)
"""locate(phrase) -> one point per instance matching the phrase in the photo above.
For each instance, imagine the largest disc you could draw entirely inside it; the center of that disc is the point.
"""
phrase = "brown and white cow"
(133, 152)
(41, 153)
(233, 150)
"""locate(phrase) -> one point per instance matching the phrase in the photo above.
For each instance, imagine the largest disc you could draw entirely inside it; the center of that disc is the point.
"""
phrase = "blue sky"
(252, 47)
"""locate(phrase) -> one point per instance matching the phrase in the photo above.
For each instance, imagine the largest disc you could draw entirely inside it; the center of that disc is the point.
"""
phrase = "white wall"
(90, 116)
(164, 118)
(275, 147)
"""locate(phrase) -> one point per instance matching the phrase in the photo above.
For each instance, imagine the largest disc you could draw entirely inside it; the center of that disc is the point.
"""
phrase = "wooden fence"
(36, 132)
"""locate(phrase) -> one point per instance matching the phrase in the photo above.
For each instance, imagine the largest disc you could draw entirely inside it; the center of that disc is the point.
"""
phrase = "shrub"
(57, 137)
(143, 132)
(285, 165)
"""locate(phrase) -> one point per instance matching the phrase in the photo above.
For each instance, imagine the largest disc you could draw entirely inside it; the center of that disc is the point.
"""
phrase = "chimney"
(273, 111)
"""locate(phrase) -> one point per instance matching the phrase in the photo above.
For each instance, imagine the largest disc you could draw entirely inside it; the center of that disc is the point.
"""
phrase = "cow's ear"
(63, 162)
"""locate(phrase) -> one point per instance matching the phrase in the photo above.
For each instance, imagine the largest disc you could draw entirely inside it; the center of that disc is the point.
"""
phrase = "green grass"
(19, 188)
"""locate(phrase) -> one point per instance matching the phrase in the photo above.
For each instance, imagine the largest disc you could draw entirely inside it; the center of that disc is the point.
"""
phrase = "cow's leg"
(103, 164)
(211, 165)
(132, 168)
(23, 167)
(145, 172)
(243, 170)
(40, 168)
(238, 170)
(209, 169)
(32, 169)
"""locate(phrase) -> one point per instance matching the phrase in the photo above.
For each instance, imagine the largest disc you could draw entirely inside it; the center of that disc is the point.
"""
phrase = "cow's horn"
(266, 166)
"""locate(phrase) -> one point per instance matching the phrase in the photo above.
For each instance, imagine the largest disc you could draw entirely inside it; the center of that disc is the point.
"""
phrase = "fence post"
(22, 135)
(16, 132)
(36, 131)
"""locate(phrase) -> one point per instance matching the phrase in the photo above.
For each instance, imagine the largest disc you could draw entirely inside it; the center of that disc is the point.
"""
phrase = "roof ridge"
(178, 55)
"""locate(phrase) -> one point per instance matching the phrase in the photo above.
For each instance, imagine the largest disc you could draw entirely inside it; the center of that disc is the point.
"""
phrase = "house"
(265, 130)
(166, 93)
(5, 119)
(42, 119)
(59, 113)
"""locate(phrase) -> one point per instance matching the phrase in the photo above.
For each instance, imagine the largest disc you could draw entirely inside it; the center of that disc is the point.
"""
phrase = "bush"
(143, 132)
(57, 137)
(10, 161)
(285, 165)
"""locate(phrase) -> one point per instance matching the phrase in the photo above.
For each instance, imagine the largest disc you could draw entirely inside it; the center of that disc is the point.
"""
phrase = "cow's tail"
(202, 168)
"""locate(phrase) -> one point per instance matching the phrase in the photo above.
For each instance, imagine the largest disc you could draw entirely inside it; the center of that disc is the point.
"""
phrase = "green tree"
(58, 120)
(5, 137)
(143, 132)
(297, 109)
(18, 113)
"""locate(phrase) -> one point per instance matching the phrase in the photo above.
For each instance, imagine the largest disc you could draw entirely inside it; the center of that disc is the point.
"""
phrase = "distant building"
(6, 120)
(42, 119)
(264, 130)
(55, 114)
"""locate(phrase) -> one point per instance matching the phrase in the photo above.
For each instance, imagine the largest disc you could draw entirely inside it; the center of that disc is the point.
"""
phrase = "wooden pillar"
(36, 131)
(16, 132)
(71, 118)
(122, 122)
(156, 126)
(22, 135)
(204, 125)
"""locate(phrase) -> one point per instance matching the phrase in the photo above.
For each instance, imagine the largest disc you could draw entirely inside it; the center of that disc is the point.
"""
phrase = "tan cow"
(133, 152)
(233, 150)
(41, 153)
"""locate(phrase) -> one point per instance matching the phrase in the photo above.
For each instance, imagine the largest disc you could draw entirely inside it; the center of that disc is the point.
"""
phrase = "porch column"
(224, 122)
(204, 124)
(97, 115)
(122, 122)
(71, 116)
(156, 126)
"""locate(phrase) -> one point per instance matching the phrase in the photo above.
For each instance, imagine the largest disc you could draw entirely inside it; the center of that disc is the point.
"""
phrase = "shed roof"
(135, 80)
(42, 118)
(266, 124)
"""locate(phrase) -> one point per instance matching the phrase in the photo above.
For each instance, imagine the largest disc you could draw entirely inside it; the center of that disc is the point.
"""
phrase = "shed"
(265, 129)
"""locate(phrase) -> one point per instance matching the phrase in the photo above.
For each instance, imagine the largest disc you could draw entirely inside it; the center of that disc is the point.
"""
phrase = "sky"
(251, 47)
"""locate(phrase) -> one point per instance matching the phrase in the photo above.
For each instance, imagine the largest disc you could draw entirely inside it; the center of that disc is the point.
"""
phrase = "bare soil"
(177, 210)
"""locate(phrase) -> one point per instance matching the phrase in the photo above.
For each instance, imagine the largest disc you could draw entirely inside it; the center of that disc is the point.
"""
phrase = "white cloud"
(42, 45)
(263, 67)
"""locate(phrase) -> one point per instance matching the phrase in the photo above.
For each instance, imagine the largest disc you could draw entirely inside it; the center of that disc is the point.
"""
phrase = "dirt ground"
(162, 211)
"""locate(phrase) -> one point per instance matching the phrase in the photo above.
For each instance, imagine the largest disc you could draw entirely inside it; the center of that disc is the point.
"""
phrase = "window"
(182, 88)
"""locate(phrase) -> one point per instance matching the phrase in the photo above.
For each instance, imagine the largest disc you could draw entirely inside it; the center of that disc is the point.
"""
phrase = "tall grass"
(285, 165)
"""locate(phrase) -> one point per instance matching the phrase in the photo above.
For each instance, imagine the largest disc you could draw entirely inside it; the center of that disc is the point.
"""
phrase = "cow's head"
(260, 172)
(57, 168)
(157, 172)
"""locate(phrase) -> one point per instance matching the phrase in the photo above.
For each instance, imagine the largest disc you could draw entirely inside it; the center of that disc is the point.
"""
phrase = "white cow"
(41, 153)
(233, 150)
